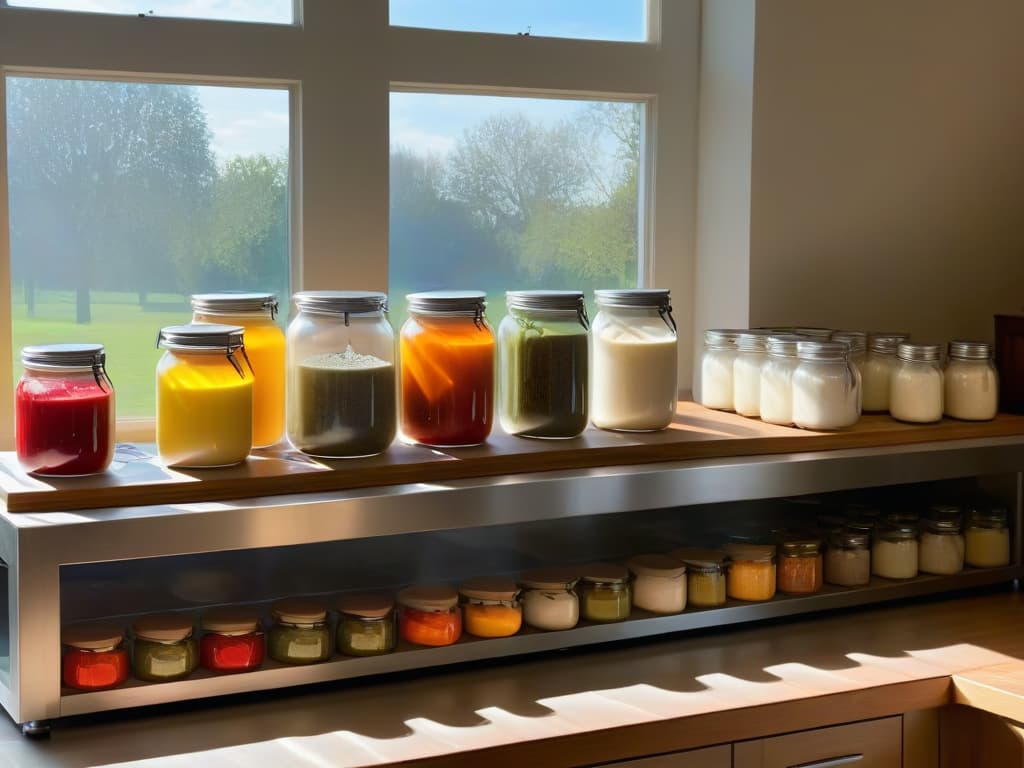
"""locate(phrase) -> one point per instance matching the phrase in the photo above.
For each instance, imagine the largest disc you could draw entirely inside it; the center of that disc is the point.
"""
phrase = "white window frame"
(340, 61)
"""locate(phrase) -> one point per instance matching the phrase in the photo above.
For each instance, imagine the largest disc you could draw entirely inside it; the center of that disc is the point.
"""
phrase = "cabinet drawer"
(712, 757)
(871, 744)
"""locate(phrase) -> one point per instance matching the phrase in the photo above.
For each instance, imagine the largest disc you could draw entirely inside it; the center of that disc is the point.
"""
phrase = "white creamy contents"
(634, 378)
(915, 392)
(941, 553)
(777, 390)
(877, 378)
(894, 559)
(716, 386)
(826, 395)
(746, 383)
(847, 567)
(971, 390)
(987, 547)
(550, 609)
(660, 594)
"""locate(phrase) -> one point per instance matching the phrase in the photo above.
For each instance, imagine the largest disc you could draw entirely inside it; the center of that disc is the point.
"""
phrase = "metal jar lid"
(849, 538)
(919, 353)
(634, 298)
(783, 345)
(857, 341)
(549, 301)
(824, 334)
(896, 531)
(752, 341)
(201, 336)
(800, 548)
(885, 344)
(823, 351)
(448, 302)
(721, 338)
(970, 350)
(234, 302)
(63, 356)
(341, 302)
(988, 517)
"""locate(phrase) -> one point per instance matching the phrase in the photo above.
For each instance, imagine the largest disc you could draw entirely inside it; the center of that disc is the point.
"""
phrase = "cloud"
(422, 142)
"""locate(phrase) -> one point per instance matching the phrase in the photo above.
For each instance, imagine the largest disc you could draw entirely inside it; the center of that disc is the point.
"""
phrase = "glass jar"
(95, 657)
(605, 594)
(264, 345)
(549, 600)
(971, 382)
(203, 396)
(367, 625)
(751, 574)
(659, 583)
(300, 634)
(751, 355)
(543, 357)
(447, 351)
(848, 558)
(777, 380)
(491, 607)
(941, 550)
(894, 551)
(633, 368)
(342, 386)
(164, 647)
(715, 388)
(826, 388)
(987, 538)
(233, 640)
(705, 576)
(800, 567)
(429, 615)
(821, 334)
(857, 343)
(64, 410)
(877, 371)
(916, 389)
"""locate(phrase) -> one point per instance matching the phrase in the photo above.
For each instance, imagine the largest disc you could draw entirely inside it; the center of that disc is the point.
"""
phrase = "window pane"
(586, 19)
(499, 193)
(267, 11)
(125, 198)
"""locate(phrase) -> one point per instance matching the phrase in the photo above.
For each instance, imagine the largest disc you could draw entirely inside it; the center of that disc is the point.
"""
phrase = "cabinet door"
(871, 744)
(712, 757)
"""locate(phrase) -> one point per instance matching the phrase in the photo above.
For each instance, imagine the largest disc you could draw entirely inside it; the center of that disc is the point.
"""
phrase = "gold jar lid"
(366, 606)
(435, 598)
(801, 547)
(92, 637)
(490, 589)
(605, 573)
(553, 578)
(661, 566)
(163, 627)
(299, 611)
(230, 620)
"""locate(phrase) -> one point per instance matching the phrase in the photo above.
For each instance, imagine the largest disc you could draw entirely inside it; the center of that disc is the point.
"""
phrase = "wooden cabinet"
(871, 744)
(712, 757)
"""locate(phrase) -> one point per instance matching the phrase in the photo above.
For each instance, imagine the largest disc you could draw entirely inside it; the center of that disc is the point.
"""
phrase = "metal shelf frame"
(35, 546)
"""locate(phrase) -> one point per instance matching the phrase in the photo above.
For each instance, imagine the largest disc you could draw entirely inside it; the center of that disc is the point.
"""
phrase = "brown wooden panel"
(871, 744)
(970, 738)
(712, 757)
(921, 739)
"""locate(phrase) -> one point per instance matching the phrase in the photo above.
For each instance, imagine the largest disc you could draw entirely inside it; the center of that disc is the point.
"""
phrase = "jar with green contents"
(300, 634)
(367, 625)
(605, 594)
(164, 647)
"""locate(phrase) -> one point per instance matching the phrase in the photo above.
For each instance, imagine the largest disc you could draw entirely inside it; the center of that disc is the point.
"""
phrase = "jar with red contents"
(64, 410)
(95, 657)
(233, 640)
(429, 615)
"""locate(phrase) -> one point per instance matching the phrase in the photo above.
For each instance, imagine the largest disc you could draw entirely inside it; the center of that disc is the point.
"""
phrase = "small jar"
(491, 607)
(605, 593)
(751, 355)
(300, 634)
(447, 354)
(367, 625)
(826, 388)
(164, 648)
(894, 551)
(857, 344)
(64, 410)
(971, 382)
(916, 388)
(549, 600)
(777, 380)
(95, 657)
(877, 370)
(659, 583)
(233, 640)
(848, 558)
(634, 360)
(751, 571)
(429, 615)
(716, 369)
(544, 364)
(800, 567)
(941, 550)
(203, 396)
(264, 344)
(987, 538)
(705, 576)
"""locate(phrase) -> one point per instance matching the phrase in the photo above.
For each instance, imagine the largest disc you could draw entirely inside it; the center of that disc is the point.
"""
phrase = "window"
(267, 11)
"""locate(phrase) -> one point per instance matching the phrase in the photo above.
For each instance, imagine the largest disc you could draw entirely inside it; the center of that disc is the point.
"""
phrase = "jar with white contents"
(777, 380)
(716, 370)
(659, 584)
(971, 382)
(942, 543)
(549, 598)
(916, 388)
(826, 388)
(857, 341)
(751, 355)
(987, 538)
(877, 370)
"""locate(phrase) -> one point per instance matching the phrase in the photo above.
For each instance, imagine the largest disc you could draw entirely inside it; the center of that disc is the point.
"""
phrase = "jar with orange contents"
(447, 353)
(751, 574)
(429, 615)
(491, 607)
(800, 566)
(95, 657)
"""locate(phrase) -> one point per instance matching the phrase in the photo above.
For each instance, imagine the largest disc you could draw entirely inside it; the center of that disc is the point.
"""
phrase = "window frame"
(340, 61)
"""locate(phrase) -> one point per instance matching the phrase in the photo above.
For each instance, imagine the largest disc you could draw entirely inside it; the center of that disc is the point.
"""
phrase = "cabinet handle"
(832, 762)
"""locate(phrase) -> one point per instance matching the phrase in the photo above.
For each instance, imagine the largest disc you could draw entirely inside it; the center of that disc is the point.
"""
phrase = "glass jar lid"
(201, 336)
(489, 589)
(232, 302)
(800, 547)
(92, 637)
(752, 341)
(750, 552)
(783, 345)
(432, 598)
(919, 352)
(63, 356)
(721, 338)
(299, 612)
(993, 517)
(366, 606)
(849, 538)
(970, 350)
(823, 351)
(341, 302)
(163, 627)
(448, 302)
(605, 573)
(857, 341)
(659, 566)
(550, 578)
(230, 620)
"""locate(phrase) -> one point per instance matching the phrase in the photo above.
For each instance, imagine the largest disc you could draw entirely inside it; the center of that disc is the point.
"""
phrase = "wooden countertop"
(598, 705)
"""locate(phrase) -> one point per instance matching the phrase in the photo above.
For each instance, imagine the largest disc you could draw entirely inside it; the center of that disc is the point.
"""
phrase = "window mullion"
(6, 352)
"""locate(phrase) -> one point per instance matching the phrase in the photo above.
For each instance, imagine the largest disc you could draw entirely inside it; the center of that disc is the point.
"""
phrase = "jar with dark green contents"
(164, 648)
(367, 625)
(543, 351)
(300, 634)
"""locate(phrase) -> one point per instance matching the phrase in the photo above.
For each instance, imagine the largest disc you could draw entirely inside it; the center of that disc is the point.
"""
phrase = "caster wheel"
(36, 729)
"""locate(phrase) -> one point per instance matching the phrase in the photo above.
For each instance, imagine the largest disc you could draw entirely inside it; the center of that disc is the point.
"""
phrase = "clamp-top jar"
(878, 368)
(826, 388)
(203, 396)
(543, 354)
(64, 410)
(751, 355)
(447, 351)
(264, 344)
(857, 342)
(916, 389)
(777, 380)
(635, 351)
(342, 387)
(714, 385)
(971, 382)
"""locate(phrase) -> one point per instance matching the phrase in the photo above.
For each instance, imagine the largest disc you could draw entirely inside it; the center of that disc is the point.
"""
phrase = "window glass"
(500, 193)
(587, 19)
(267, 11)
(125, 198)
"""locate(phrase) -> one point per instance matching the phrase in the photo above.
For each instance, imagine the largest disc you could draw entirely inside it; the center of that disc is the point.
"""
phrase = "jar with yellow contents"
(491, 607)
(705, 576)
(751, 574)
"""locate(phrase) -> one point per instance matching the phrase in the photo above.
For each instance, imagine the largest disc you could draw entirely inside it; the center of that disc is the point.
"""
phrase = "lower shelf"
(204, 684)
